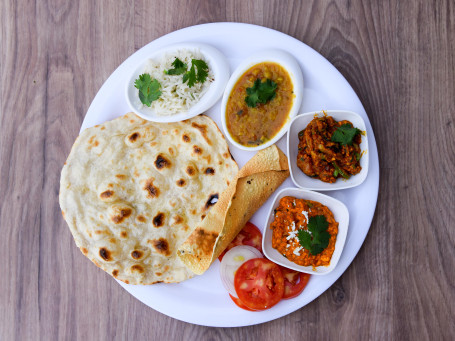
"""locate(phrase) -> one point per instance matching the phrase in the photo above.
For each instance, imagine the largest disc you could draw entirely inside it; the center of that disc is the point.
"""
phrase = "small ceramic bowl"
(340, 213)
(302, 180)
(217, 63)
(288, 62)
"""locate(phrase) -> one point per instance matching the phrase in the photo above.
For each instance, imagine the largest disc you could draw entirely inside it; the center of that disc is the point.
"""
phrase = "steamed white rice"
(176, 97)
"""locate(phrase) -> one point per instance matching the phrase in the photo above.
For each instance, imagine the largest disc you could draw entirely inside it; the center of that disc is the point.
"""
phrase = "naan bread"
(132, 191)
(250, 189)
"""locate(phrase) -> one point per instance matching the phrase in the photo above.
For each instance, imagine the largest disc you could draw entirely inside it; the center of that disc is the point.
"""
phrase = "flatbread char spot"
(141, 218)
(177, 220)
(136, 254)
(105, 254)
(190, 170)
(120, 214)
(137, 268)
(158, 220)
(161, 246)
(133, 137)
(106, 194)
(203, 129)
(197, 150)
(162, 162)
(152, 191)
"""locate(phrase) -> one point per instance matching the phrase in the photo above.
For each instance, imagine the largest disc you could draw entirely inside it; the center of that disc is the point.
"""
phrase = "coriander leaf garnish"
(149, 90)
(260, 92)
(202, 70)
(345, 134)
(197, 74)
(319, 238)
(179, 68)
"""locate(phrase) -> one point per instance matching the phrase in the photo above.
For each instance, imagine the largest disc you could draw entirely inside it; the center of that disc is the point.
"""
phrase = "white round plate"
(203, 300)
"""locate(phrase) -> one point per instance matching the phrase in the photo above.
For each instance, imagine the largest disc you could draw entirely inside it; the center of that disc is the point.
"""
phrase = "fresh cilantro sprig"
(345, 134)
(316, 241)
(179, 68)
(197, 74)
(260, 93)
(149, 89)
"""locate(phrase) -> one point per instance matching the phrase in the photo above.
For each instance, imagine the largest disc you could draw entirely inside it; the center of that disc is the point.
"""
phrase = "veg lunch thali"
(152, 199)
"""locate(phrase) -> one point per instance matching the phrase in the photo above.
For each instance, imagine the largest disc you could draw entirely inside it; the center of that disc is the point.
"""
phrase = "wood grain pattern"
(397, 55)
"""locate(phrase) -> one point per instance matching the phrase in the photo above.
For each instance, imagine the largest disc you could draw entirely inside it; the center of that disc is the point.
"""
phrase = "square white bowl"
(340, 213)
(302, 180)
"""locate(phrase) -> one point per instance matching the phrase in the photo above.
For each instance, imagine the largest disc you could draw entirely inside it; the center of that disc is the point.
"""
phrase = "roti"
(250, 189)
(132, 191)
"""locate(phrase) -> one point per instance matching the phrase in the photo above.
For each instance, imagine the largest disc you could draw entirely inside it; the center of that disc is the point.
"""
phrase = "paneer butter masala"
(294, 215)
(259, 104)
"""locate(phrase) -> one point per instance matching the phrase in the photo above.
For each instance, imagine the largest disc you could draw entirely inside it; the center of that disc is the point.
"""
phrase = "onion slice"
(232, 260)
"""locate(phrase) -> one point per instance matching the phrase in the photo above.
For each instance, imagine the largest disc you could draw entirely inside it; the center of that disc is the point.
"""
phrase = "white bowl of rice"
(177, 100)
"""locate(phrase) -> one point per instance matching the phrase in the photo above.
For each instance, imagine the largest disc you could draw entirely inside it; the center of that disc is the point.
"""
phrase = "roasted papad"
(132, 191)
(253, 185)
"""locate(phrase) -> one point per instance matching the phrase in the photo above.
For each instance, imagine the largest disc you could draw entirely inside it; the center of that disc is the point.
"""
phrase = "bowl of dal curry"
(262, 96)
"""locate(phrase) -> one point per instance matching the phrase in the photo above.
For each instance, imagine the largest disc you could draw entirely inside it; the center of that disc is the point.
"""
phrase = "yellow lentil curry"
(253, 126)
(292, 215)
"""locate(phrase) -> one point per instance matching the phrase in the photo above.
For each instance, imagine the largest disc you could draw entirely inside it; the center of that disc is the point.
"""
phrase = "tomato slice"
(250, 235)
(259, 283)
(294, 282)
(239, 303)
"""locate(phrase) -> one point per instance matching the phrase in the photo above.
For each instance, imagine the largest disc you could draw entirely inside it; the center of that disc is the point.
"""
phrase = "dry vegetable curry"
(291, 216)
(250, 120)
(320, 157)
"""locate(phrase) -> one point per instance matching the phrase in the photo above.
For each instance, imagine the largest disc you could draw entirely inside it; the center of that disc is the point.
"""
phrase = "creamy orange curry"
(292, 215)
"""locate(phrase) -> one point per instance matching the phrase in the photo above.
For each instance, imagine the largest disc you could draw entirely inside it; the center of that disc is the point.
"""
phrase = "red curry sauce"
(290, 216)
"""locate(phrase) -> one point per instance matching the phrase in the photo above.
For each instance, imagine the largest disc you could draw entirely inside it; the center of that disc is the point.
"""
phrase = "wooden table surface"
(397, 55)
